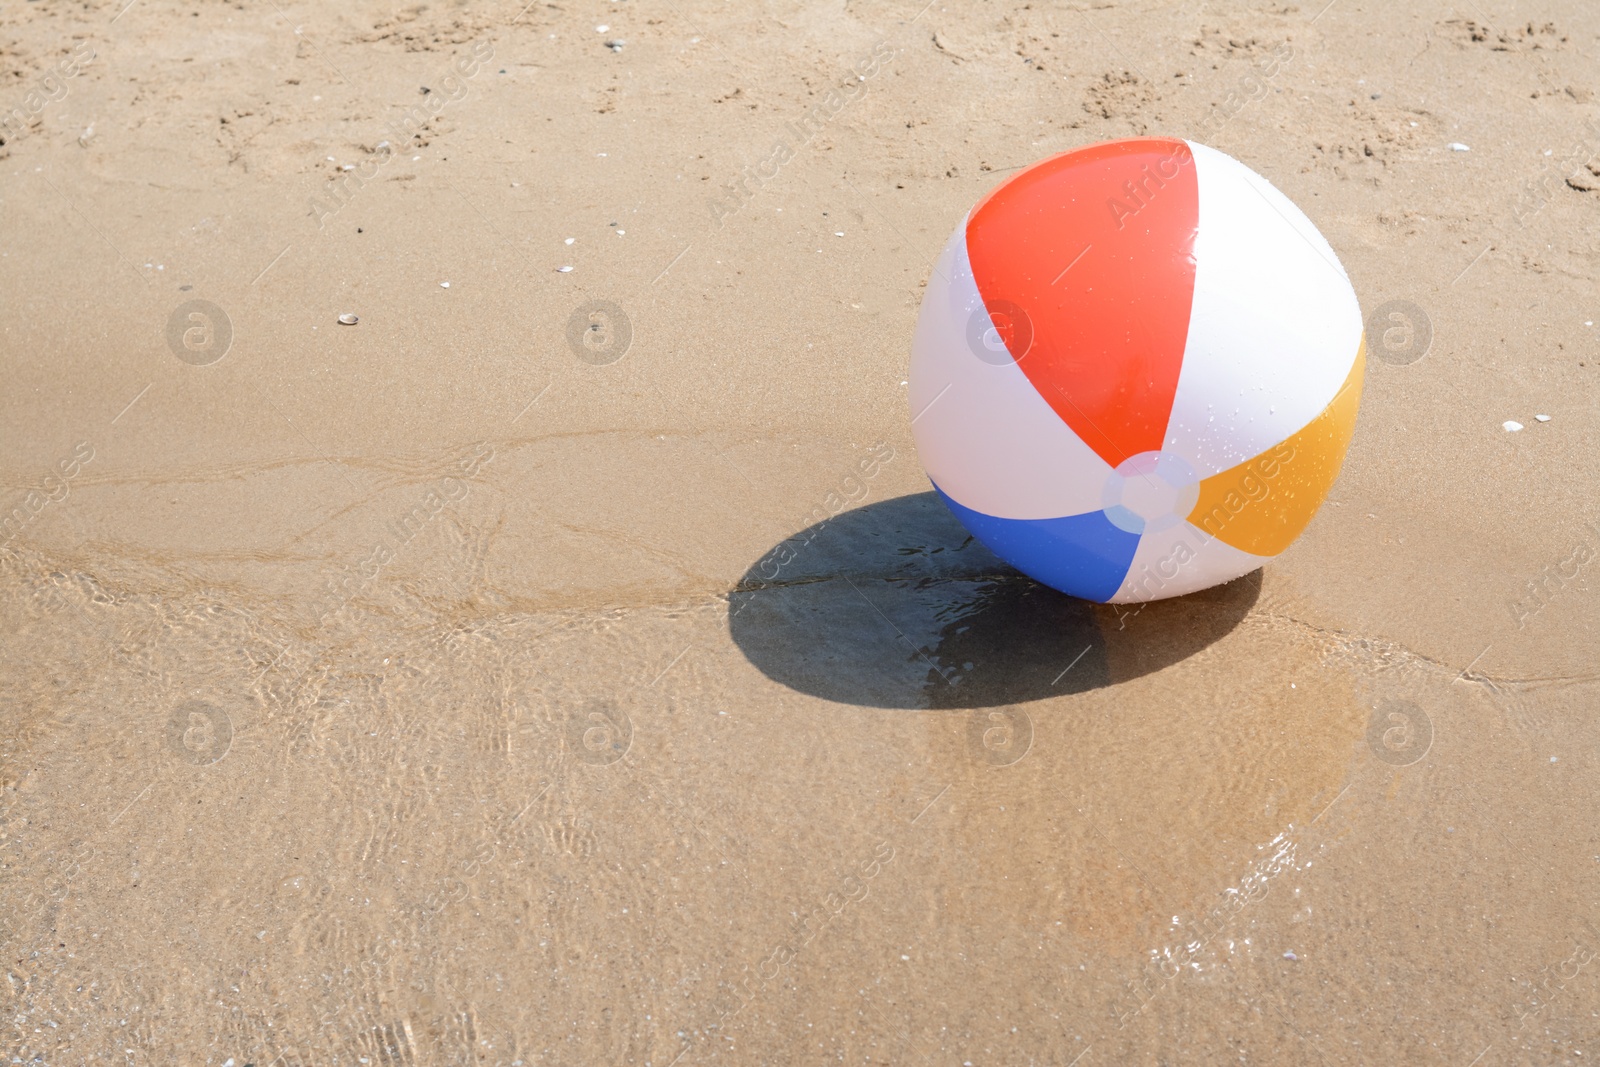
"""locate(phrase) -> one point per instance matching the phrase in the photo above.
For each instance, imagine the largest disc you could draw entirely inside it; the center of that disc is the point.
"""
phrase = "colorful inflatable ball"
(1136, 370)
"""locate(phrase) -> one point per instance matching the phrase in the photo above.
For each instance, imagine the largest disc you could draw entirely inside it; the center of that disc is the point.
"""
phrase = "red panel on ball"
(1096, 248)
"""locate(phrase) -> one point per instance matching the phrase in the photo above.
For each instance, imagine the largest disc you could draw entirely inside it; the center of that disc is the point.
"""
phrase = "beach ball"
(1136, 370)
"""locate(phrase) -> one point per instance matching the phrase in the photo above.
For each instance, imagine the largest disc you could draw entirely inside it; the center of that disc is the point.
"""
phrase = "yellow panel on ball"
(1263, 504)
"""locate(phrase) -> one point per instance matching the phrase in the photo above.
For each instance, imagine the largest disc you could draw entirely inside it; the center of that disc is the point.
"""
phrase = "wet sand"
(419, 691)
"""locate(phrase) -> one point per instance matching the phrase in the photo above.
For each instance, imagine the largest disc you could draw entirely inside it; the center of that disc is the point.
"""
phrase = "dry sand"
(398, 693)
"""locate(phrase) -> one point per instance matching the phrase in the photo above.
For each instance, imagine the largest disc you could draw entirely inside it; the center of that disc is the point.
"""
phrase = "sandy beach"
(418, 689)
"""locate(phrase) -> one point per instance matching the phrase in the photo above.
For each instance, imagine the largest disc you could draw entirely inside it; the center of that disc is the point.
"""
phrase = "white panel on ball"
(1275, 326)
(984, 434)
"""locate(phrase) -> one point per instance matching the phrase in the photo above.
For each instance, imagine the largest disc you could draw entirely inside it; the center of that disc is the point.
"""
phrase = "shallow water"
(444, 689)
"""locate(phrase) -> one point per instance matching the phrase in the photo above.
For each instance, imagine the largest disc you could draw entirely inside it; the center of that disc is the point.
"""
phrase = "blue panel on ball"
(1081, 555)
